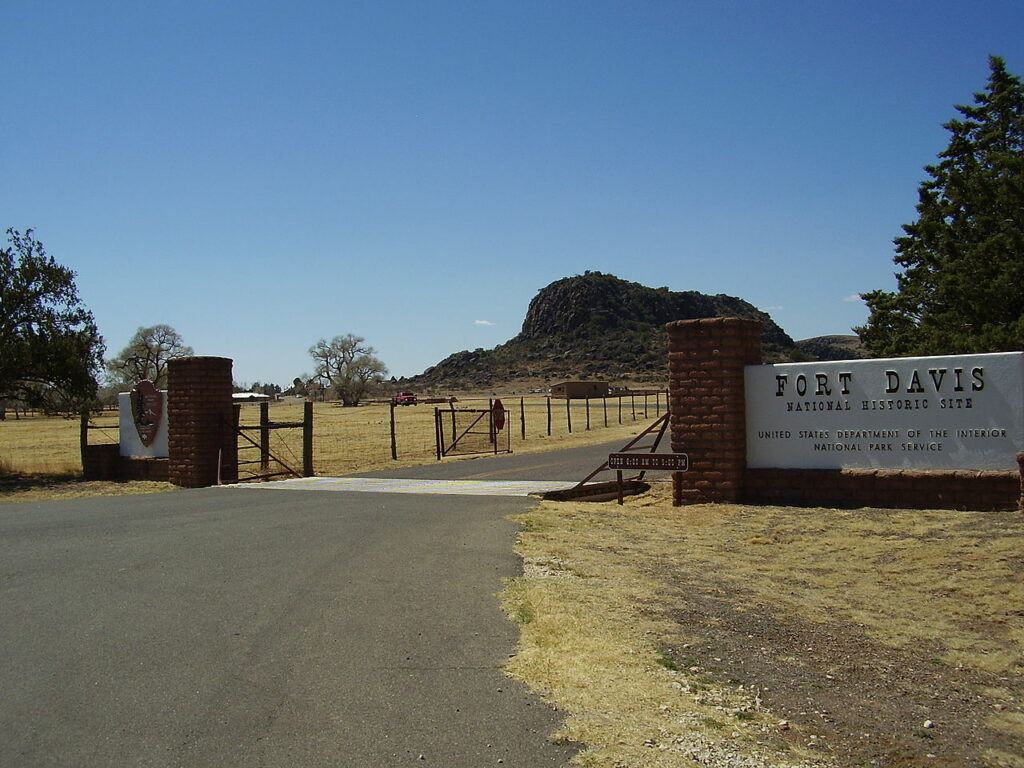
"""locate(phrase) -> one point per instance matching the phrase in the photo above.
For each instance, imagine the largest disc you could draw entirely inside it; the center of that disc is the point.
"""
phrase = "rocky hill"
(596, 326)
(832, 348)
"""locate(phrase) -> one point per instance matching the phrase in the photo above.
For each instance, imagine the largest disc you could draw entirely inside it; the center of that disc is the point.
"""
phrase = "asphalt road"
(226, 627)
(567, 464)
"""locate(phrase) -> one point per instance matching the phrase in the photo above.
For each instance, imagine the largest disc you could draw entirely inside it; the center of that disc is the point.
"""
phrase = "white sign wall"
(131, 443)
(957, 412)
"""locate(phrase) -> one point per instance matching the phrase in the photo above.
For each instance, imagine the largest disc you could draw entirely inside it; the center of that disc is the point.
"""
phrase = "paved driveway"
(228, 627)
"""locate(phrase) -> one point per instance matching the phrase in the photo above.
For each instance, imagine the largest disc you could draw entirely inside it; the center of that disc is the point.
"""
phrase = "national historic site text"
(949, 412)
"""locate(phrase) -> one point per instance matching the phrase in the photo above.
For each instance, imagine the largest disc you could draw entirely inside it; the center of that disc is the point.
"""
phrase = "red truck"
(405, 398)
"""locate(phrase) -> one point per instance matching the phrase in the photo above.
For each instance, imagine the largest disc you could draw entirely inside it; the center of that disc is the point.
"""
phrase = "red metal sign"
(498, 410)
(673, 462)
(147, 408)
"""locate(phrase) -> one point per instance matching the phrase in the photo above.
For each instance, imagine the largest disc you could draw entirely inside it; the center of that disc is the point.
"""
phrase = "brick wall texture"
(100, 462)
(200, 422)
(705, 365)
(887, 488)
(706, 390)
(105, 462)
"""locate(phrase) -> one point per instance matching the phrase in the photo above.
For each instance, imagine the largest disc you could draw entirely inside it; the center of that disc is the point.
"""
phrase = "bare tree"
(349, 365)
(146, 356)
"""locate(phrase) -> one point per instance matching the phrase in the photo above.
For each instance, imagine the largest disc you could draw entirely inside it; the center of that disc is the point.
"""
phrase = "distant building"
(578, 390)
(250, 397)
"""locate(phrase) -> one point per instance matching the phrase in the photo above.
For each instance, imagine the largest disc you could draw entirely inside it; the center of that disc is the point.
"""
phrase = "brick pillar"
(1020, 466)
(705, 363)
(199, 413)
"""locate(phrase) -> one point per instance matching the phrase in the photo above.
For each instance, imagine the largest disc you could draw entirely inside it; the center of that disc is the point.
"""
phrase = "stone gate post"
(200, 411)
(705, 360)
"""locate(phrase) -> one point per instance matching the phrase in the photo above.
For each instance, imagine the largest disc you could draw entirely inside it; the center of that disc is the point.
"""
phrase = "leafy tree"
(349, 365)
(50, 348)
(962, 285)
(146, 356)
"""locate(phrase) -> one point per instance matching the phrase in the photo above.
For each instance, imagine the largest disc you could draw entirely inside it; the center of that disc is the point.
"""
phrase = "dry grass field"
(41, 454)
(763, 636)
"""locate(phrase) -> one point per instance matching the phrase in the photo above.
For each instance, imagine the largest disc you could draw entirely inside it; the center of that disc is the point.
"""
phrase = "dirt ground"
(16, 487)
(864, 702)
(771, 636)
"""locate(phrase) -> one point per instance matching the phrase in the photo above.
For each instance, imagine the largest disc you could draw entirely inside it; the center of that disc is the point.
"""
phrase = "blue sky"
(260, 175)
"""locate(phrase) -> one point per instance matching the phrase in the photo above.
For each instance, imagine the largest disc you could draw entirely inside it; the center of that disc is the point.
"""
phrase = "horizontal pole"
(273, 425)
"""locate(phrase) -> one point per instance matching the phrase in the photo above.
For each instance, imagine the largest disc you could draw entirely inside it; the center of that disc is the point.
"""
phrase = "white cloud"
(852, 298)
(482, 322)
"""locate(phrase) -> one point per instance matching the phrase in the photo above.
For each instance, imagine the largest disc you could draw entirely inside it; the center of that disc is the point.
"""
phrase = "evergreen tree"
(50, 348)
(961, 288)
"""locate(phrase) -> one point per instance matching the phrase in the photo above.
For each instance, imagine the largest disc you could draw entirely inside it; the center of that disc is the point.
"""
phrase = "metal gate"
(471, 431)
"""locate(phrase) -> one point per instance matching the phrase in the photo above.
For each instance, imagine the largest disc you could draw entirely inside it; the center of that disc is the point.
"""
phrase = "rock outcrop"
(596, 326)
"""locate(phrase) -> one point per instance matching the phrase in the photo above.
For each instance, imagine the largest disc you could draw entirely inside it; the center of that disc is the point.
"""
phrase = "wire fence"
(347, 440)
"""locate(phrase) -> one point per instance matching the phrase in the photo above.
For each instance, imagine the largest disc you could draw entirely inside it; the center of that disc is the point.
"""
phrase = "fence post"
(307, 439)
(490, 431)
(522, 418)
(549, 416)
(604, 402)
(236, 419)
(632, 405)
(83, 436)
(620, 409)
(438, 431)
(645, 404)
(657, 403)
(568, 414)
(265, 435)
(394, 445)
(588, 413)
(451, 404)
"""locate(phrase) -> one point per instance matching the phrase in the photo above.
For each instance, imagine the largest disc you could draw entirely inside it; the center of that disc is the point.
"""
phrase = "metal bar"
(522, 419)
(261, 476)
(480, 415)
(618, 476)
(588, 413)
(264, 435)
(589, 477)
(394, 444)
(620, 409)
(307, 439)
(663, 420)
(568, 414)
(273, 425)
(604, 402)
(549, 417)
(83, 436)
(275, 458)
(644, 434)
(438, 438)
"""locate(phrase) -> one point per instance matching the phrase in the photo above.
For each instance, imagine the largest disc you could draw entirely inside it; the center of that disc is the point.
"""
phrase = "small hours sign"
(672, 462)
